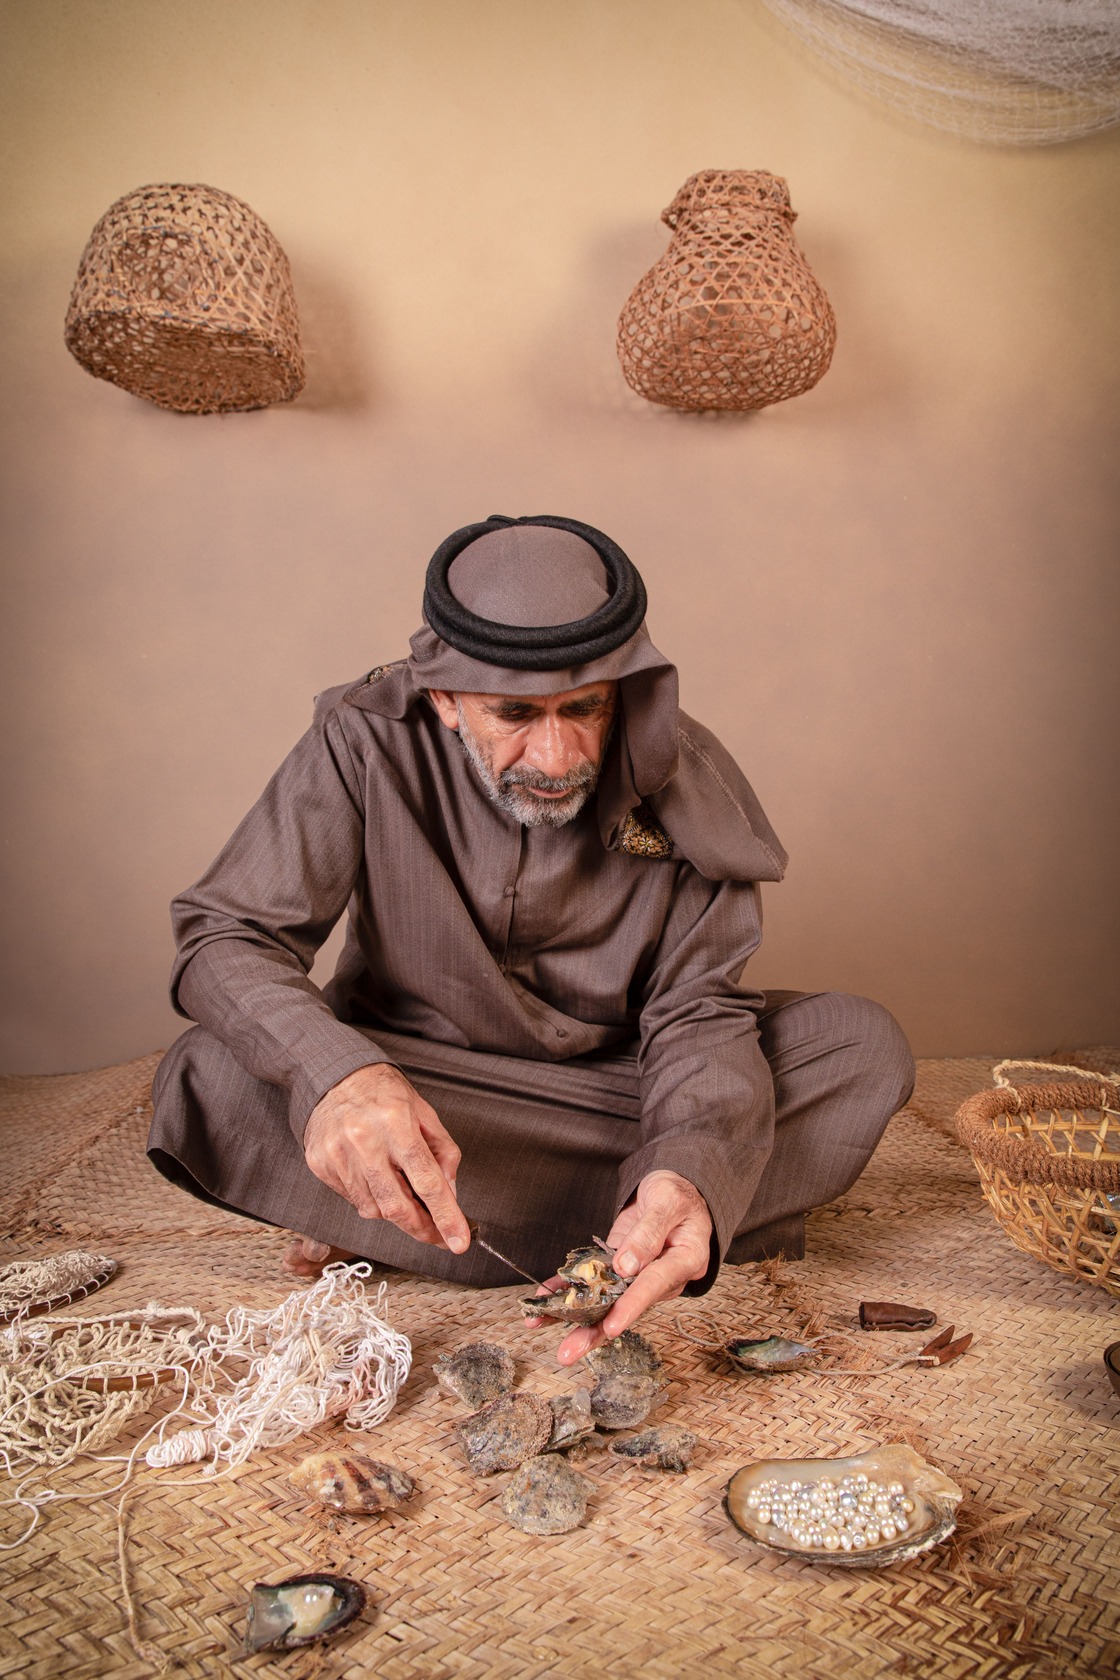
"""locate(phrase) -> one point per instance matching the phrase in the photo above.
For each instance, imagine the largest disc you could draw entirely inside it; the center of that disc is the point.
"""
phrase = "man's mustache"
(573, 781)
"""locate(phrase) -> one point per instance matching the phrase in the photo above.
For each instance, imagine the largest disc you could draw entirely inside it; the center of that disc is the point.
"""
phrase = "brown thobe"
(575, 1015)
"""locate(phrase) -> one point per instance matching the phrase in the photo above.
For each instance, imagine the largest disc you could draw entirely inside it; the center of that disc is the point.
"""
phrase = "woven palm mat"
(656, 1584)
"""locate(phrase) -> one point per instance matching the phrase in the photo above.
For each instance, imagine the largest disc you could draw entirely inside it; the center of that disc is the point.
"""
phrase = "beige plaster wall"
(895, 598)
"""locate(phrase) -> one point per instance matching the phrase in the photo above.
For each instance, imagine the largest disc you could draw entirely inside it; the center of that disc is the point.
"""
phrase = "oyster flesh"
(628, 1379)
(475, 1373)
(768, 1356)
(593, 1287)
(301, 1610)
(571, 1419)
(546, 1496)
(666, 1448)
(505, 1432)
(349, 1482)
(878, 1508)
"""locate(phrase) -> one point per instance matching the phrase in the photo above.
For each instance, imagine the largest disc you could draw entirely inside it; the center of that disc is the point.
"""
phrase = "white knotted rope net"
(70, 1386)
(1010, 72)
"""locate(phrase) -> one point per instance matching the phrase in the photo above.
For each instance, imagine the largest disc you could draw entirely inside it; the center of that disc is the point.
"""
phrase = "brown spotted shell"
(505, 1432)
(571, 1419)
(348, 1482)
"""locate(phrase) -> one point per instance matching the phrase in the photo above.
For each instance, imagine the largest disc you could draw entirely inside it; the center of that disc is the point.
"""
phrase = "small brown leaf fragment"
(894, 1315)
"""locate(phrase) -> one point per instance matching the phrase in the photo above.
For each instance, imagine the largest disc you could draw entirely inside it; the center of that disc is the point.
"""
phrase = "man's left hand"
(662, 1240)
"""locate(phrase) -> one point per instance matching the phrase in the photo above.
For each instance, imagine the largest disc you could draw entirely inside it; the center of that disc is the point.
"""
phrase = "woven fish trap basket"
(1049, 1163)
(731, 317)
(184, 296)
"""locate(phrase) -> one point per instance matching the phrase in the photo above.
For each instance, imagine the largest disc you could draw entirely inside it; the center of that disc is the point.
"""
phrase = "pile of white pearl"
(833, 1516)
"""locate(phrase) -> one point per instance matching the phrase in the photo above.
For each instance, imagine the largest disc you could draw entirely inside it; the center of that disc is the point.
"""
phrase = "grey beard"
(511, 792)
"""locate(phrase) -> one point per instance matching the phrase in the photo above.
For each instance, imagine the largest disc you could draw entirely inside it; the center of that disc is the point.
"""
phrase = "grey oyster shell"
(935, 1504)
(348, 1482)
(628, 1379)
(593, 1287)
(475, 1373)
(301, 1611)
(571, 1419)
(505, 1432)
(546, 1496)
(666, 1448)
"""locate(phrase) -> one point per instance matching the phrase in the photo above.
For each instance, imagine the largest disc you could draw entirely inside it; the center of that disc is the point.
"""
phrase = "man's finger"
(443, 1146)
(662, 1280)
(427, 1182)
(646, 1239)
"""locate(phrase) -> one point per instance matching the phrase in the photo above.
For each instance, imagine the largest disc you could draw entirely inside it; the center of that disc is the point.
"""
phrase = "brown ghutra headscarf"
(541, 604)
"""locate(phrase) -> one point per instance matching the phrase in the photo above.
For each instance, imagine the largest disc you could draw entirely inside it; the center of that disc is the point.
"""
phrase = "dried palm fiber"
(1009, 72)
(183, 296)
(1048, 1156)
(731, 316)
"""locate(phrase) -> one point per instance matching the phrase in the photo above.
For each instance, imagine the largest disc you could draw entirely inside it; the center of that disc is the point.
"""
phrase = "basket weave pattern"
(731, 316)
(183, 296)
(1049, 1158)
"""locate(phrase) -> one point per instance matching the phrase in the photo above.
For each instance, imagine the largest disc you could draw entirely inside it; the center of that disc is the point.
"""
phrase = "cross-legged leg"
(841, 1068)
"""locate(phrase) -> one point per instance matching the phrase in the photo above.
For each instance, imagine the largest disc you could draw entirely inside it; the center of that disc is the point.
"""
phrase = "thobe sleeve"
(707, 1097)
(248, 931)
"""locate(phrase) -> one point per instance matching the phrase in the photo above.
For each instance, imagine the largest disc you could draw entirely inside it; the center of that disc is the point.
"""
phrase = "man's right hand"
(376, 1142)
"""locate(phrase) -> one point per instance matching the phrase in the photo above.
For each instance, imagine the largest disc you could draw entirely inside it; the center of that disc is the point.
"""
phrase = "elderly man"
(538, 1019)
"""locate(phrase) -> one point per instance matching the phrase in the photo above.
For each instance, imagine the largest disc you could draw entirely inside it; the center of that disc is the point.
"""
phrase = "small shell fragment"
(546, 1496)
(475, 1373)
(301, 1611)
(348, 1482)
(666, 1448)
(571, 1419)
(593, 1288)
(628, 1380)
(505, 1432)
(768, 1356)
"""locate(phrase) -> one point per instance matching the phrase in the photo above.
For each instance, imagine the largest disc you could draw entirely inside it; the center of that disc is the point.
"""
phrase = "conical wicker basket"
(1049, 1162)
(731, 317)
(184, 297)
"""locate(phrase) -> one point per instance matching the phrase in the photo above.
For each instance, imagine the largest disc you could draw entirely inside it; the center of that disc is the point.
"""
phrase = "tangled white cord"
(323, 1352)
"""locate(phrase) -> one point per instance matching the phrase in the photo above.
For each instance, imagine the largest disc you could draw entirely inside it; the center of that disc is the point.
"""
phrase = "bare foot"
(305, 1257)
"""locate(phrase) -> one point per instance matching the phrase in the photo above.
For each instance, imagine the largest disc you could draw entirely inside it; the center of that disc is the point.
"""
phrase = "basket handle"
(1023, 1160)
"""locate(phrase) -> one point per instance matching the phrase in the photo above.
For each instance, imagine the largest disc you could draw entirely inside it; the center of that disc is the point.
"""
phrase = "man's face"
(537, 756)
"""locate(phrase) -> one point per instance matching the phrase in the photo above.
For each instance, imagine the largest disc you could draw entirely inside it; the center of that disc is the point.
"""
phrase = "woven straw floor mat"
(656, 1584)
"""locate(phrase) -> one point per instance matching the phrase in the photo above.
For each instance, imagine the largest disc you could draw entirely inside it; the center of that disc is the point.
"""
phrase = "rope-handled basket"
(1048, 1156)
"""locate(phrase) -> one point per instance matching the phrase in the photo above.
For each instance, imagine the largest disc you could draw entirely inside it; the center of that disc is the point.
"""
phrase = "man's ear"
(446, 705)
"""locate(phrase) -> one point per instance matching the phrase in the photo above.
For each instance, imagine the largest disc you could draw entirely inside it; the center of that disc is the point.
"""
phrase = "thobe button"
(509, 892)
(560, 1033)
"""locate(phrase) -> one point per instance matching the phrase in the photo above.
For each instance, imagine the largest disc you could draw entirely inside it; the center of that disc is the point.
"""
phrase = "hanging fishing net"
(1010, 72)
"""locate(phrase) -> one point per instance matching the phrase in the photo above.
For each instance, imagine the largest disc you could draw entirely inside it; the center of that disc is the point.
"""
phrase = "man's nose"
(552, 747)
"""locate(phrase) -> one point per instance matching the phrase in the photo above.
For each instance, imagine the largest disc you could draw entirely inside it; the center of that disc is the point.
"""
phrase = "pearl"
(902, 1524)
(764, 1513)
(859, 1541)
(845, 1542)
(871, 1535)
(907, 1505)
(754, 1500)
(895, 1487)
(888, 1531)
(832, 1540)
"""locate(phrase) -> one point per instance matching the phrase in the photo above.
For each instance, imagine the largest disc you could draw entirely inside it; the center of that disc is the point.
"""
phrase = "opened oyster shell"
(505, 1432)
(348, 1482)
(546, 1496)
(878, 1508)
(592, 1289)
(628, 1379)
(668, 1447)
(475, 1373)
(767, 1357)
(301, 1611)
